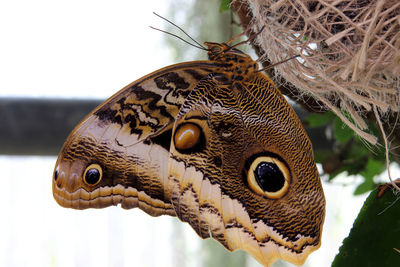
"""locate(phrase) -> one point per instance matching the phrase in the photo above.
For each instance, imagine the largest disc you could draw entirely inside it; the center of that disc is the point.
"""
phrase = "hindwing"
(208, 183)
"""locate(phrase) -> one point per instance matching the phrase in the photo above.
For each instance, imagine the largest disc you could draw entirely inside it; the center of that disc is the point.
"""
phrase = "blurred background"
(58, 60)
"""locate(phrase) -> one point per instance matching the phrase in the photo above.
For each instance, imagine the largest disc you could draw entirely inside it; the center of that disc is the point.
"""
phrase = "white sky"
(77, 48)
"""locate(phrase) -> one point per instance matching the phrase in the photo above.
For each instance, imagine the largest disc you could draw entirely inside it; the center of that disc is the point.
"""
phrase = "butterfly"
(212, 142)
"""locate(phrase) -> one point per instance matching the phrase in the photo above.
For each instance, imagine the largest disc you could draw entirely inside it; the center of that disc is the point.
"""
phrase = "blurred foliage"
(225, 5)
(374, 239)
(350, 153)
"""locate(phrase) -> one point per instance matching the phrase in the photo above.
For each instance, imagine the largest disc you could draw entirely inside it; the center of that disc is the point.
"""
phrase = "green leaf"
(375, 235)
(359, 151)
(373, 167)
(319, 119)
(225, 5)
(364, 187)
(341, 131)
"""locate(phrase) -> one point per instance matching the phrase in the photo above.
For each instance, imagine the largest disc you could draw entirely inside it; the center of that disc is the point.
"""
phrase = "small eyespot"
(187, 137)
(93, 174)
(268, 176)
(56, 174)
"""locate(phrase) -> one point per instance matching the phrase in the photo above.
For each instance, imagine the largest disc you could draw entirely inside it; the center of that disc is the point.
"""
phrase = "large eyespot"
(268, 176)
(93, 174)
(188, 138)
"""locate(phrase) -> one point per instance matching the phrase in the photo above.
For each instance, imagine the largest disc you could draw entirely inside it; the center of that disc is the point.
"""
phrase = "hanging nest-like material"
(350, 52)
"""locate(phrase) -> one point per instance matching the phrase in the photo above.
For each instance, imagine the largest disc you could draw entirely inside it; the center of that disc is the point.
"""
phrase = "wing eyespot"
(188, 138)
(93, 174)
(55, 176)
(269, 177)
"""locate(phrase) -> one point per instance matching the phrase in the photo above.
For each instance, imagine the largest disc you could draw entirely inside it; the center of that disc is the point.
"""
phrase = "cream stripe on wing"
(205, 193)
(175, 170)
(232, 233)
(189, 204)
(216, 221)
(193, 179)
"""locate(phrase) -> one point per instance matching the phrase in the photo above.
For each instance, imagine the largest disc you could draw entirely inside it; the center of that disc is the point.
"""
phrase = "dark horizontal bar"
(34, 126)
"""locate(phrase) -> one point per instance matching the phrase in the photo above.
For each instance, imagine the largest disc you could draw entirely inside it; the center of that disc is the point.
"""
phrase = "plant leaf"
(375, 235)
(364, 187)
(373, 168)
(341, 131)
(319, 119)
(225, 5)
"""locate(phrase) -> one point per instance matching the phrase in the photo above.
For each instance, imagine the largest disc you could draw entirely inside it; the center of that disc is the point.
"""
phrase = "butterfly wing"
(118, 154)
(244, 126)
(212, 142)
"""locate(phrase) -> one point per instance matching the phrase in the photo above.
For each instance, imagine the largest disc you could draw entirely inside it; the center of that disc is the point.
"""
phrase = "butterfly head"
(225, 52)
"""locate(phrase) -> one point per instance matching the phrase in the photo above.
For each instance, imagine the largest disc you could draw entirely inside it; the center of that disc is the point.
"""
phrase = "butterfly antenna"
(180, 38)
(278, 63)
(173, 24)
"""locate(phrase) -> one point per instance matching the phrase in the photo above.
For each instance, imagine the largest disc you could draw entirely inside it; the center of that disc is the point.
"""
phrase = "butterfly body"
(211, 142)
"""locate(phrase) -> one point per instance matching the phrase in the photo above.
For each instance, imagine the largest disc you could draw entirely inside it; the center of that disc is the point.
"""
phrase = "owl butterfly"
(212, 142)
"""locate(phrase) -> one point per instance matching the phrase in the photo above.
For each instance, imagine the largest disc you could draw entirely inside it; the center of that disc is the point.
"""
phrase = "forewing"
(128, 138)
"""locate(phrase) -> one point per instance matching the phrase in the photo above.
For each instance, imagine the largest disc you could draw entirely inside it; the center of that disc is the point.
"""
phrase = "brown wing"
(250, 181)
(118, 154)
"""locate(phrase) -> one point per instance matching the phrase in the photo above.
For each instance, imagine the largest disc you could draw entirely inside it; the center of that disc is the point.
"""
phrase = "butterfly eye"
(187, 136)
(269, 177)
(216, 49)
(93, 174)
